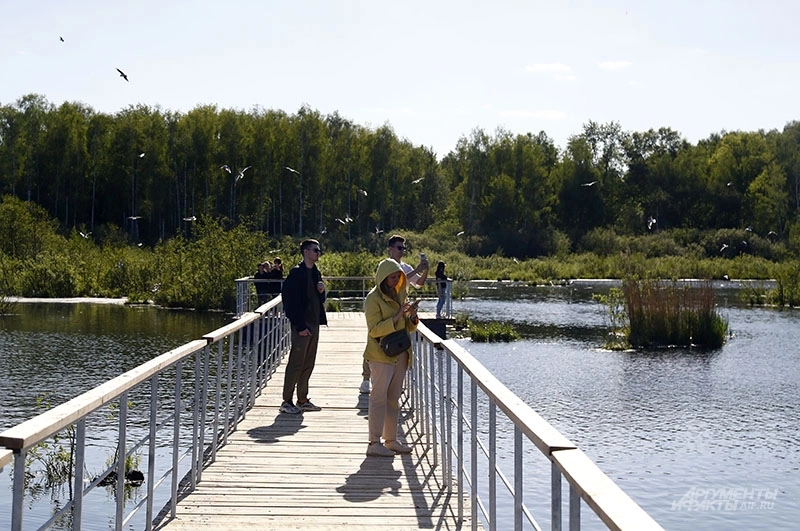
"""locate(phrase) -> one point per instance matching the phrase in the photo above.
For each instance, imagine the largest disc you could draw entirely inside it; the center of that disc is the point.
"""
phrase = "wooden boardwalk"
(310, 471)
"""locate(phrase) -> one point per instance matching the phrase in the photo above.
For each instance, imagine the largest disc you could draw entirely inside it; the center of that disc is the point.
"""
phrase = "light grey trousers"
(384, 399)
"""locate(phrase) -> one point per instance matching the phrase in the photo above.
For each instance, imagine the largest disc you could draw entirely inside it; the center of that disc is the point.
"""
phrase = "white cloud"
(558, 71)
(614, 66)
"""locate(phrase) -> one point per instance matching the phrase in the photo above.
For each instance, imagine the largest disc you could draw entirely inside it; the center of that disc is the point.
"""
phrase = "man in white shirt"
(415, 276)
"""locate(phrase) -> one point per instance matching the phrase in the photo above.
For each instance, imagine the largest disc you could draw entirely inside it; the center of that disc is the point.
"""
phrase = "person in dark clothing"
(262, 288)
(275, 275)
(303, 296)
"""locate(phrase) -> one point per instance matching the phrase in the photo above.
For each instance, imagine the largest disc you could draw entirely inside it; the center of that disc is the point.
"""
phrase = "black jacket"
(295, 298)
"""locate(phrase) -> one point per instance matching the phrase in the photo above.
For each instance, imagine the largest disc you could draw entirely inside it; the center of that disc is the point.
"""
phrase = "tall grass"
(664, 313)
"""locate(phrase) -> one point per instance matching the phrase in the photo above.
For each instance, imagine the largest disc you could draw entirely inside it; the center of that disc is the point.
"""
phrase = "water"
(668, 424)
(662, 424)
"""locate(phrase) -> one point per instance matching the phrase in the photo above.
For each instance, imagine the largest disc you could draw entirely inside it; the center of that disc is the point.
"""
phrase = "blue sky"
(433, 70)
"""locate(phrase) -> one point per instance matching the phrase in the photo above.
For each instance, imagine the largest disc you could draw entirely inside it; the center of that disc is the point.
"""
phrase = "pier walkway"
(310, 471)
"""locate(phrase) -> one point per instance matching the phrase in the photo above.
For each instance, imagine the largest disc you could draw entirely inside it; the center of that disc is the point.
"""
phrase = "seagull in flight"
(61, 39)
(340, 220)
(241, 174)
(134, 217)
(650, 222)
(190, 218)
(417, 181)
(460, 233)
(348, 219)
(122, 74)
(363, 192)
(292, 170)
(226, 168)
(724, 246)
(589, 184)
(84, 235)
(141, 155)
(378, 230)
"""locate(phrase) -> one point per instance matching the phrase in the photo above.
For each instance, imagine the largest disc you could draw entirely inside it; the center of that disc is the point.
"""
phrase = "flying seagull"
(241, 174)
(417, 181)
(225, 167)
(363, 192)
(61, 39)
(460, 233)
(589, 184)
(190, 218)
(292, 170)
(650, 222)
(122, 74)
(724, 246)
(84, 234)
(340, 220)
(141, 155)
(134, 217)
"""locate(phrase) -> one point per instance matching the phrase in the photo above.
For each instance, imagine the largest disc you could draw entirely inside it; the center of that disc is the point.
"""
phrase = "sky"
(434, 71)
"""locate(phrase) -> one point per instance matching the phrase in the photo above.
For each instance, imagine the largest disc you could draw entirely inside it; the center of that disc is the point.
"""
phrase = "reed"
(663, 313)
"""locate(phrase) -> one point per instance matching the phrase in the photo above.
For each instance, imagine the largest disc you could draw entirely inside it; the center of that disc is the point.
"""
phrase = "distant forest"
(146, 175)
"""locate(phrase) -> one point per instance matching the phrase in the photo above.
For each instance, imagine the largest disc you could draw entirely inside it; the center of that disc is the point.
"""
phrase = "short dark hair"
(395, 238)
(308, 243)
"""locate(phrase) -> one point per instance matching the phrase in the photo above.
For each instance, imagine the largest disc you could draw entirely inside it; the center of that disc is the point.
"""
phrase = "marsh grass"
(663, 313)
(492, 332)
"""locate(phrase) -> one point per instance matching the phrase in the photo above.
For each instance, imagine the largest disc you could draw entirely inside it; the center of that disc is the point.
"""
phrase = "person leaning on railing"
(387, 309)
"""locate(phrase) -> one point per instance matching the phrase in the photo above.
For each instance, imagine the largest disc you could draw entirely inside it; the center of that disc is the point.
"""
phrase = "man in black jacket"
(303, 296)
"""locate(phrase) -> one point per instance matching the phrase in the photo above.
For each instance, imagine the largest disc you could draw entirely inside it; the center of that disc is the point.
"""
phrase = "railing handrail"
(208, 406)
(245, 297)
(434, 401)
(50, 422)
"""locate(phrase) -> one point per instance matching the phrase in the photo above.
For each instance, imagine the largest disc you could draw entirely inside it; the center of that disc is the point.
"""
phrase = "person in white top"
(415, 276)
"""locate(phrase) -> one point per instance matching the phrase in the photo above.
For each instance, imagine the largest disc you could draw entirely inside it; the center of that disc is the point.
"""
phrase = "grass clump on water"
(664, 313)
(492, 332)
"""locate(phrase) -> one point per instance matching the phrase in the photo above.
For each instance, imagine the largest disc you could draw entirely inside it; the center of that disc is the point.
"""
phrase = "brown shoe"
(397, 446)
(376, 449)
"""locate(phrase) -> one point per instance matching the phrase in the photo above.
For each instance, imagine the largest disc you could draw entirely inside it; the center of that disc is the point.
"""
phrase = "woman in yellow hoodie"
(387, 309)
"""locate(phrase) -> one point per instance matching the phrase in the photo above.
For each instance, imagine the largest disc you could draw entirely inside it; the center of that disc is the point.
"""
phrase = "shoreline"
(69, 300)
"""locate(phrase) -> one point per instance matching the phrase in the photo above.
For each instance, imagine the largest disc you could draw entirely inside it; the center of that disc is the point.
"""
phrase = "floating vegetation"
(662, 313)
(492, 332)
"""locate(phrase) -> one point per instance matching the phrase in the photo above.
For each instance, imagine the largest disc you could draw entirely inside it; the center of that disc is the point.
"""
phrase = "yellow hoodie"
(379, 309)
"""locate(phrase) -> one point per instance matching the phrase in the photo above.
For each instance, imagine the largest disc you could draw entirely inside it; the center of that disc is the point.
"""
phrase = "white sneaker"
(364, 389)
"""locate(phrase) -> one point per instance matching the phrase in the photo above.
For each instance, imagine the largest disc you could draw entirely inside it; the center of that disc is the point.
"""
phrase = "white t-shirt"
(413, 278)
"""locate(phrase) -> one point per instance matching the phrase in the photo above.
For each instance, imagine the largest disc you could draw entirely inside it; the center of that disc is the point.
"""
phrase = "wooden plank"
(311, 471)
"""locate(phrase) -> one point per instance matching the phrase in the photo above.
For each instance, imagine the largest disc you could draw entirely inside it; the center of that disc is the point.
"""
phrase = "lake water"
(668, 426)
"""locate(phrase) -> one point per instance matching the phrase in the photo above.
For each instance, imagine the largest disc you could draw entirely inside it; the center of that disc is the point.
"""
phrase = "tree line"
(145, 175)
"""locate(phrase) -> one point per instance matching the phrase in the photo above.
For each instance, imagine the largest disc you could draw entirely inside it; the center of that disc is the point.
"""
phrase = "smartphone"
(415, 304)
(423, 257)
